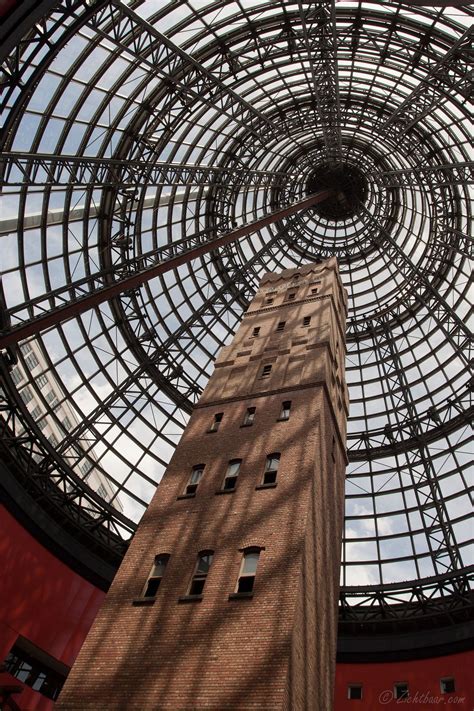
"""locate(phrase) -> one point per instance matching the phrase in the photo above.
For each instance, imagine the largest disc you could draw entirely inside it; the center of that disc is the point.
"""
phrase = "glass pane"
(204, 564)
(272, 462)
(160, 565)
(195, 476)
(250, 563)
(233, 468)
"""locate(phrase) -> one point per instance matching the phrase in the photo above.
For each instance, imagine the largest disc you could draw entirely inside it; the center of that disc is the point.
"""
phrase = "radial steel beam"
(164, 352)
(429, 177)
(452, 326)
(431, 504)
(41, 169)
(130, 32)
(49, 218)
(447, 76)
(320, 40)
(99, 289)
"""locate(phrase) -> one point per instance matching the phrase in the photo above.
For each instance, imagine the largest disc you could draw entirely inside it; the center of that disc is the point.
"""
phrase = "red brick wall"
(217, 652)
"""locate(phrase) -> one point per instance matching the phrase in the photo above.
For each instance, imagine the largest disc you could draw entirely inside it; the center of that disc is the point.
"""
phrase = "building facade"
(227, 597)
(53, 414)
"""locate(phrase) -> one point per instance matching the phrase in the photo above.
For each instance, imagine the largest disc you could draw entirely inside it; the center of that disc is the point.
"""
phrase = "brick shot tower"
(227, 597)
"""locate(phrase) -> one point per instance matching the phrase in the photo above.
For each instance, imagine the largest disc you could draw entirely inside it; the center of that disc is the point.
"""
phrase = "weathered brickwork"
(275, 647)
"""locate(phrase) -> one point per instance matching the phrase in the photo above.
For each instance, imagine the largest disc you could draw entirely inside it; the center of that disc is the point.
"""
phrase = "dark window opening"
(447, 685)
(152, 587)
(156, 575)
(285, 410)
(314, 291)
(291, 296)
(248, 571)
(281, 326)
(266, 370)
(269, 301)
(216, 422)
(401, 690)
(246, 584)
(354, 691)
(306, 320)
(194, 479)
(201, 572)
(249, 416)
(231, 475)
(256, 331)
(34, 673)
(271, 468)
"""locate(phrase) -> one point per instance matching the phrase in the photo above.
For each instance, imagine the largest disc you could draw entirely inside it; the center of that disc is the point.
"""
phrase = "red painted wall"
(423, 679)
(6, 6)
(44, 601)
(41, 599)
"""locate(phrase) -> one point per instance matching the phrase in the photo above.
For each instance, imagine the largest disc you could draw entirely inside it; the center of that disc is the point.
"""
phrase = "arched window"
(285, 410)
(248, 570)
(249, 416)
(231, 474)
(216, 422)
(201, 571)
(156, 575)
(271, 468)
(196, 474)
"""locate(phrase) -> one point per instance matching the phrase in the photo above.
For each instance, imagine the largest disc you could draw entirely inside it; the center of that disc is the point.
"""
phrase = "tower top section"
(314, 281)
(292, 337)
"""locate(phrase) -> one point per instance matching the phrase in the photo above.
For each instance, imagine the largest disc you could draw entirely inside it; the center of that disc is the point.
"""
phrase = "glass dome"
(135, 133)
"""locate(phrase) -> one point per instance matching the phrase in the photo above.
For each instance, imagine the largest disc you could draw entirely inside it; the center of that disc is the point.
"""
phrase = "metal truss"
(451, 74)
(454, 328)
(320, 40)
(407, 606)
(21, 169)
(186, 77)
(440, 535)
(77, 297)
(228, 116)
(433, 177)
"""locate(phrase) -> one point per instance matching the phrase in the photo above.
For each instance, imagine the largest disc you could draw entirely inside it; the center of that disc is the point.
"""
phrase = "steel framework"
(155, 163)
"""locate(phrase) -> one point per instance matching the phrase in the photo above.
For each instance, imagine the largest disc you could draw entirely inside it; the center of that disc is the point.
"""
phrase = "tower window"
(200, 574)
(281, 326)
(269, 300)
(271, 468)
(354, 691)
(194, 479)
(216, 422)
(285, 410)
(256, 331)
(306, 320)
(231, 474)
(400, 690)
(291, 296)
(249, 416)
(447, 685)
(156, 575)
(314, 291)
(248, 570)
(266, 370)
